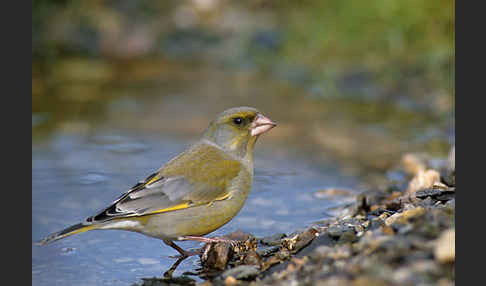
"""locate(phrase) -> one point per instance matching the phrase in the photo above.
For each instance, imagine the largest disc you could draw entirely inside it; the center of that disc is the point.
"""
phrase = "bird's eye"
(237, 120)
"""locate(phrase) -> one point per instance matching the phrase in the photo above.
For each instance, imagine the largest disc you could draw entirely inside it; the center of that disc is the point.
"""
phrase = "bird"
(193, 194)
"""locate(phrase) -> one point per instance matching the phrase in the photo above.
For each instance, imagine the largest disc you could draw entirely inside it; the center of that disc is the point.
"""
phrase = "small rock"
(272, 240)
(230, 280)
(252, 258)
(427, 202)
(445, 248)
(216, 255)
(403, 217)
(336, 231)
(322, 240)
(384, 216)
(404, 276)
(269, 251)
(342, 252)
(242, 272)
(423, 180)
(333, 281)
(299, 241)
(272, 260)
(435, 193)
(394, 205)
(349, 236)
(282, 254)
(296, 264)
(322, 251)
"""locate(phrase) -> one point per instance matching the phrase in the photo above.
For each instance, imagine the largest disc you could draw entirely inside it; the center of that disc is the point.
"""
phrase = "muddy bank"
(401, 234)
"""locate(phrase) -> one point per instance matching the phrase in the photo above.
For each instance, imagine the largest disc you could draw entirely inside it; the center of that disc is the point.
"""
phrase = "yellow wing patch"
(185, 205)
(174, 208)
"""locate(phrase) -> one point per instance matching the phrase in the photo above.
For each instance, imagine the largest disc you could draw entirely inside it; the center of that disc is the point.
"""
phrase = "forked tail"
(74, 229)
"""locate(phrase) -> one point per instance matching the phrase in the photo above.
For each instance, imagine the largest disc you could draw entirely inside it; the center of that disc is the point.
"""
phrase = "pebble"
(230, 280)
(445, 249)
(242, 272)
(403, 217)
(252, 258)
(299, 241)
(273, 239)
(216, 255)
(436, 193)
(337, 231)
(322, 251)
(423, 180)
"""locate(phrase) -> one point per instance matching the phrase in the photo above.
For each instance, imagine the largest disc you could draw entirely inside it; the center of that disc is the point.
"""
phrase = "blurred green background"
(364, 81)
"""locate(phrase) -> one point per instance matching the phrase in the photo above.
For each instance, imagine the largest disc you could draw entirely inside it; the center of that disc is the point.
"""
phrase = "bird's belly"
(194, 221)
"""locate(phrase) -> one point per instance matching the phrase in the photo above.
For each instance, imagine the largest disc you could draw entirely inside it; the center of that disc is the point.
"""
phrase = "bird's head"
(236, 129)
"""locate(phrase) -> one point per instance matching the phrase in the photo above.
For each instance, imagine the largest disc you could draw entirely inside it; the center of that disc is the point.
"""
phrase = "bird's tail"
(74, 229)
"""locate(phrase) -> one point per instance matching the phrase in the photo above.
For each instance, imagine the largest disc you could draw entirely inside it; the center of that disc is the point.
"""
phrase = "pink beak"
(260, 125)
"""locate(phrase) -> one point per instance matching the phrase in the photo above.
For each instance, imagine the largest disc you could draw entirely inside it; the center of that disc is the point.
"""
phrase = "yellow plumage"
(193, 194)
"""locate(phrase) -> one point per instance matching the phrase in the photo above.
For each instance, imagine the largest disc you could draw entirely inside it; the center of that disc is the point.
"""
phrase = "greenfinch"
(193, 194)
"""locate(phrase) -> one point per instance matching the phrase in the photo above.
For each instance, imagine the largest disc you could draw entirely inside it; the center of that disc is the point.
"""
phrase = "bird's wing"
(198, 176)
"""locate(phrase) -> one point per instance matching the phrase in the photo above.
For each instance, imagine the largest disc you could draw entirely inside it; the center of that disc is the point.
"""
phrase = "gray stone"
(242, 272)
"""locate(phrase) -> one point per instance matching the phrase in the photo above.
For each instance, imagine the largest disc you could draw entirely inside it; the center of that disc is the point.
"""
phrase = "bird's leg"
(184, 253)
(169, 272)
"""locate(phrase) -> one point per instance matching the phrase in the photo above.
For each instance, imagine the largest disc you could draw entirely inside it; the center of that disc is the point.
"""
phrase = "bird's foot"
(209, 239)
(183, 253)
